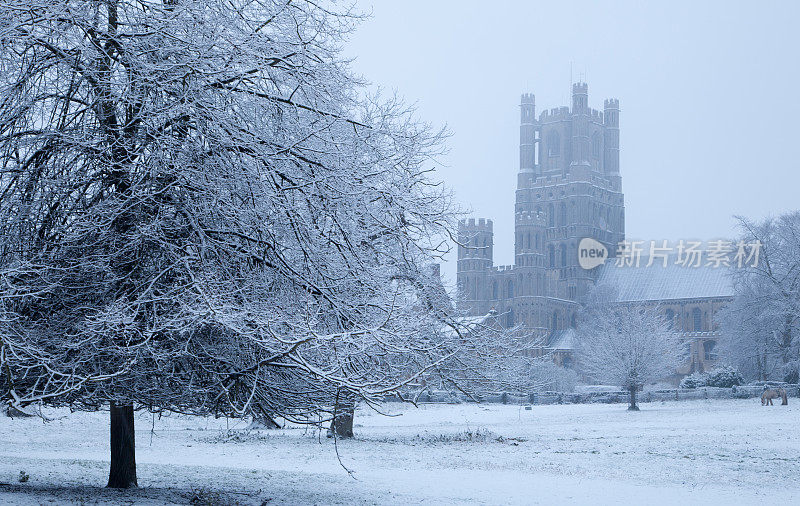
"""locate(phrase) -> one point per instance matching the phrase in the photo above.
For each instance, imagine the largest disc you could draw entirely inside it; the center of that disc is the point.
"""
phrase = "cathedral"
(569, 188)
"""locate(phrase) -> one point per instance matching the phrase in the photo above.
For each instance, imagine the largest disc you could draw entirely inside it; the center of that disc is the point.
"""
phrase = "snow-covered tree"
(201, 212)
(626, 344)
(761, 325)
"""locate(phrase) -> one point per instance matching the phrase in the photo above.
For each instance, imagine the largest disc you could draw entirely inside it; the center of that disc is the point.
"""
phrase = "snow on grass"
(714, 451)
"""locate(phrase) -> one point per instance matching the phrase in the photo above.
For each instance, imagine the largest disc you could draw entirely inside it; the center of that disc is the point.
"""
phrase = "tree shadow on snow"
(83, 494)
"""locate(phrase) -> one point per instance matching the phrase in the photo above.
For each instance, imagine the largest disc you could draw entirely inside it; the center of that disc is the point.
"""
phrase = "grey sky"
(708, 98)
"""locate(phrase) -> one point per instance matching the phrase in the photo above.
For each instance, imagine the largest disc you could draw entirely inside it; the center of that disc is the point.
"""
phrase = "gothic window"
(551, 215)
(510, 318)
(551, 252)
(562, 214)
(528, 240)
(553, 144)
(670, 317)
(697, 319)
(563, 255)
(596, 146)
(510, 289)
(708, 350)
(538, 243)
(494, 290)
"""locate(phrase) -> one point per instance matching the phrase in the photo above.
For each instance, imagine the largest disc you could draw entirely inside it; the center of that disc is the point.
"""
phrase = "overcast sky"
(709, 122)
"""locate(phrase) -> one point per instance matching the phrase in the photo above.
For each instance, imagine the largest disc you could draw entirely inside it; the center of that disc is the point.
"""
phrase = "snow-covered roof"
(665, 283)
(563, 340)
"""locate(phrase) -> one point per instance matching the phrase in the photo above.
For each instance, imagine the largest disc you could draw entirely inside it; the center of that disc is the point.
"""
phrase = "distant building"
(569, 188)
(690, 297)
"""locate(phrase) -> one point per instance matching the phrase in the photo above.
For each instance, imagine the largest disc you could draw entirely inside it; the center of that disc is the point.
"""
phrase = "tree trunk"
(342, 423)
(123, 448)
(633, 406)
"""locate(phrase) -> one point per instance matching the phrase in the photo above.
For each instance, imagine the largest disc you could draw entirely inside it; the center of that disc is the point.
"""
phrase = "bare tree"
(626, 344)
(761, 323)
(200, 212)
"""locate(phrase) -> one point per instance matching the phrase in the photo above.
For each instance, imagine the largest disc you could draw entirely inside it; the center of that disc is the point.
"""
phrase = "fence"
(676, 394)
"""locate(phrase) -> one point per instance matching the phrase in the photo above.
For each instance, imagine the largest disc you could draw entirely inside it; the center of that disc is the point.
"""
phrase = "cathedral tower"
(568, 188)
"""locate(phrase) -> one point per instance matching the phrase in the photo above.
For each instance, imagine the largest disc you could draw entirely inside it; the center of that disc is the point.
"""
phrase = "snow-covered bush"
(724, 377)
(721, 377)
(694, 380)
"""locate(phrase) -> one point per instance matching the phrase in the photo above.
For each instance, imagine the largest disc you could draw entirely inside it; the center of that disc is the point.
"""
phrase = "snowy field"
(707, 452)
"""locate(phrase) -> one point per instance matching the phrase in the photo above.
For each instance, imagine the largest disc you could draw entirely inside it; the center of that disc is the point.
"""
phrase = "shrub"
(694, 380)
(724, 377)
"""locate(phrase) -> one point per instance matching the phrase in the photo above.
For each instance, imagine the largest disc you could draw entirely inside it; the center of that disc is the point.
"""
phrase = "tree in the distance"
(762, 323)
(626, 344)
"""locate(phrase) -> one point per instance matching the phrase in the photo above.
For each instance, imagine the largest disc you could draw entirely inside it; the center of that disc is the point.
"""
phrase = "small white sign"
(591, 253)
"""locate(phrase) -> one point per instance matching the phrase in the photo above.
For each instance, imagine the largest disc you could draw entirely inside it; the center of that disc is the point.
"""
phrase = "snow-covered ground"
(708, 452)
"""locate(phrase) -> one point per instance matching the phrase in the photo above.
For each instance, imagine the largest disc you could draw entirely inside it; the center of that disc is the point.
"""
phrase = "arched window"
(510, 289)
(562, 214)
(528, 240)
(510, 318)
(551, 255)
(697, 319)
(538, 241)
(494, 290)
(553, 144)
(551, 215)
(596, 146)
(708, 350)
(670, 314)
(563, 255)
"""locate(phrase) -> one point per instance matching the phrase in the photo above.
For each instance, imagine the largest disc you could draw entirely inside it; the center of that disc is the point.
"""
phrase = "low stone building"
(690, 297)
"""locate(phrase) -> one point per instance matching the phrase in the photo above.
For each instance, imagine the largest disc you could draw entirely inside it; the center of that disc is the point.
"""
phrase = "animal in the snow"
(769, 394)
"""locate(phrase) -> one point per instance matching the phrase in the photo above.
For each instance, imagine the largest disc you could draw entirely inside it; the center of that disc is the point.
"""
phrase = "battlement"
(555, 113)
(556, 179)
(580, 88)
(503, 268)
(528, 98)
(611, 103)
(531, 218)
(596, 115)
(473, 224)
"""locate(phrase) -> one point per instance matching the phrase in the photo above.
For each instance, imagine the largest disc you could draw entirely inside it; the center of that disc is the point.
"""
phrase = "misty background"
(708, 96)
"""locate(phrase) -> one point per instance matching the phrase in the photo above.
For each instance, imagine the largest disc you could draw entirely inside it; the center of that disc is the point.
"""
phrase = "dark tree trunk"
(342, 423)
(123, 448)
(633, 406)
